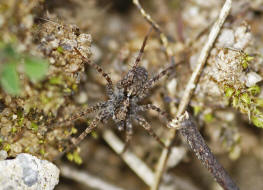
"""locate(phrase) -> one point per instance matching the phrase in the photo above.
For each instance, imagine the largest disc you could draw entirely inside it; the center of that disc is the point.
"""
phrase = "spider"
(123, 101)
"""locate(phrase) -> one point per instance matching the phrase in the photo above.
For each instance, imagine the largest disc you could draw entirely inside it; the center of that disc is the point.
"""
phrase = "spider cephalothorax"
(123, 104)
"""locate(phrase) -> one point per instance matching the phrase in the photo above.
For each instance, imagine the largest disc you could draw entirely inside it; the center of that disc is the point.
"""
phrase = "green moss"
(70, 156)
(259, 102)
(67, 90)
(74, 130)
(229, 92)
(257, 120)
(197, 110)
(20, 121)
(254, 90)
(42, 151)
(76, 157)
(74, 87)
(55, 81)
(94, 134)
(208, 117)
(245, 98)
(34, 126)
(60, 49)
(44, 99)
(13, 130)
(26, 149)
(235, 102)
(245, 59)
(247, 102)
(7, 147)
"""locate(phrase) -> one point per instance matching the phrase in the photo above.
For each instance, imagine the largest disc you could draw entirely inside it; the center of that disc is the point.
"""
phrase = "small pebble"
(3, 155)
(252, 79)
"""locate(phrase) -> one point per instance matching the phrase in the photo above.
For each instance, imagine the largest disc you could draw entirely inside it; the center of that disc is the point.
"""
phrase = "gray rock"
(3, 154)
(26, 172)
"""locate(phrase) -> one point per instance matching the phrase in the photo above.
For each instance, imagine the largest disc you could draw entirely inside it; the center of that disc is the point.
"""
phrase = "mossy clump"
(230, 76)
(36, 100)
(247, 102)
(229, 80)
(74, 157)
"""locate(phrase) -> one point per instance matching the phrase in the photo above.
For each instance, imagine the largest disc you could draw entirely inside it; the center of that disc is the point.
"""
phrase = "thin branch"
(86, 179)
(137, 165)
(191, 85)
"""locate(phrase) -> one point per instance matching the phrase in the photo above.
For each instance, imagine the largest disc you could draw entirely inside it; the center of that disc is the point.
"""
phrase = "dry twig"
(86, 179)
(138, 166)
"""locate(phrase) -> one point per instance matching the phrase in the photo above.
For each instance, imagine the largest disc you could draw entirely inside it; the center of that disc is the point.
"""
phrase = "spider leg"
(157, 109)
(132, 72)
(148, 128)
(78, 115)
(155, 79)
(76, 141)
(100, 70)
(138, 59)
(89, 129)
(128, 136)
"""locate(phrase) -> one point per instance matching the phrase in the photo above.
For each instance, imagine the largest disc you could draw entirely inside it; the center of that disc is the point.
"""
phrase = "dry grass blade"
(138, 166)
(86, 179)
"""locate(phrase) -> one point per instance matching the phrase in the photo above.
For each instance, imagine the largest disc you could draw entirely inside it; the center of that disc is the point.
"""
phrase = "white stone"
(171, 86)
(82, 98)
(3, 154)
(84, 38)
(252, 78)
(96, 53)
(177, 154)
(14, 116)
(226, 38)
(27, 172)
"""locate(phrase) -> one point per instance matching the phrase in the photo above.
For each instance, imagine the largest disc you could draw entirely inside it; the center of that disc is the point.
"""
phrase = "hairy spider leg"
(149, 130)
(76, 141)
(138, 59)
(157, 109)
(77, 115)
(155, 79)
(99, 70)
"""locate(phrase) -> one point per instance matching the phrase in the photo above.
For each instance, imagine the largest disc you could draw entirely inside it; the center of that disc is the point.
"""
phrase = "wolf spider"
(122, 104)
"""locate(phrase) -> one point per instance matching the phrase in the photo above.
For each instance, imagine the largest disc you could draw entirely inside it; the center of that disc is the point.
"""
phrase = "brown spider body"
(123, 101)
